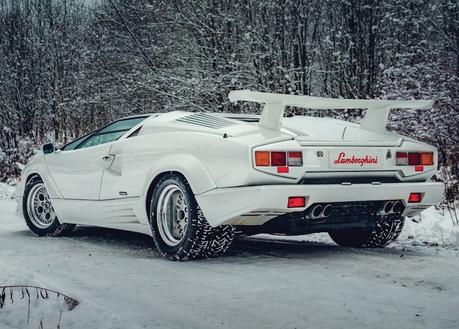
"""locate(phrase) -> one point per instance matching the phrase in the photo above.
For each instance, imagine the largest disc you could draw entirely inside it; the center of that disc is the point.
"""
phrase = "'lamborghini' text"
(368, 159)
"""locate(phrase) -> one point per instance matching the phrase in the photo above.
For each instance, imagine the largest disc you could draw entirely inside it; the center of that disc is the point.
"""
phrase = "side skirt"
(114, 213)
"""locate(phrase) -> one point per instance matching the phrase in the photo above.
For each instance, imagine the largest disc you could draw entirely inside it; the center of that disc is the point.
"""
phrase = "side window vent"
(135, 132)
(206, 120)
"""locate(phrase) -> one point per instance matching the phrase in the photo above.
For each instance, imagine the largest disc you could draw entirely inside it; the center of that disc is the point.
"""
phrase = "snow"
(432, 227)
(264, 282)
(6, 191)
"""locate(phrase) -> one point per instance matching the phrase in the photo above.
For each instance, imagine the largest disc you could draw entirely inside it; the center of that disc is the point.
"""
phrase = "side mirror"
(48, 148)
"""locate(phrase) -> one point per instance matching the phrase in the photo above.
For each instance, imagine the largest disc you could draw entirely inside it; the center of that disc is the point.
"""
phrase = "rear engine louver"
(206, 120)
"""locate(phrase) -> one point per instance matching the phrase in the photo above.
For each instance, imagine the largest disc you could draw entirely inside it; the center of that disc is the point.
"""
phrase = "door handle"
(106, 161)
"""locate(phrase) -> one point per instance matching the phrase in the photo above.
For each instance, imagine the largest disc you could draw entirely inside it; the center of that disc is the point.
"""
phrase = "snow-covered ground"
(264, 282)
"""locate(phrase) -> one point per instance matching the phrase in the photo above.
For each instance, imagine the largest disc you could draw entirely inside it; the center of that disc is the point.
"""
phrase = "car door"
(78, 173)
(78, 168)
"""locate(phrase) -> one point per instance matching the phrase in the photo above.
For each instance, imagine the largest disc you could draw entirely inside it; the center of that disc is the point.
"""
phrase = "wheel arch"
(152, 187)
(185, 165)
(48, 181)
(32, 175)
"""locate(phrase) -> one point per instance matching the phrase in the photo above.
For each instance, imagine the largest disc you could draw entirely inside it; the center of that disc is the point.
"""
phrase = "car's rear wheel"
(179, 228)
(38, 211)
(386, 231)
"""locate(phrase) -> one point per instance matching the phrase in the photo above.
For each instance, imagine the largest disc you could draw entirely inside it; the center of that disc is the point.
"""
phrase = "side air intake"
(206, 120)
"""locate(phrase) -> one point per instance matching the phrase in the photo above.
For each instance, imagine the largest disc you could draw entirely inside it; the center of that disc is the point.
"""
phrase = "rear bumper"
(255, 205)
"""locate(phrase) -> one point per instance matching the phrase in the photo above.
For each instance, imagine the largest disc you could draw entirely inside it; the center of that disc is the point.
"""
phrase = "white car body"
(109, 185)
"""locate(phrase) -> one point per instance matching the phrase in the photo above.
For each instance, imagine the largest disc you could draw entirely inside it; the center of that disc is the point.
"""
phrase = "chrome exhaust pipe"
(397, 207)
(388, 207)
(316, 211)
(327, 210)
(391, 207)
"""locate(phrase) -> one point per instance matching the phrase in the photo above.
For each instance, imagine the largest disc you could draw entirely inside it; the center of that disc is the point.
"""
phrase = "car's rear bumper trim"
(255, 205)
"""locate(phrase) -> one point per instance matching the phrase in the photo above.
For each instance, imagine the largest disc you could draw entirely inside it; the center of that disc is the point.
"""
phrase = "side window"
(125, 125)
(98, 139)
(72, 145)
(108, 134)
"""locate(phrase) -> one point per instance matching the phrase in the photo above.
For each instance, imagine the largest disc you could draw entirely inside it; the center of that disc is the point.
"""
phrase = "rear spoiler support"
(375, 118)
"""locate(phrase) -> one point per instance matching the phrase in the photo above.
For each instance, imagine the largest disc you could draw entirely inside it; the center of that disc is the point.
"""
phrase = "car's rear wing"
(375, 118)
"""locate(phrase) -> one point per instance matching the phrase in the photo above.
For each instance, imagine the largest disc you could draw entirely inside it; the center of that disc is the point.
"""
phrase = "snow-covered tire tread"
(220, 241)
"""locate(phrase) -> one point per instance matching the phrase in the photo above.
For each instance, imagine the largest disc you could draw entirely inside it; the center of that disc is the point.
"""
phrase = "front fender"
(35, 166)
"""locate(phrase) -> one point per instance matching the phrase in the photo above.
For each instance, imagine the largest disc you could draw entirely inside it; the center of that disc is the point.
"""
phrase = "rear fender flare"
(187, 165)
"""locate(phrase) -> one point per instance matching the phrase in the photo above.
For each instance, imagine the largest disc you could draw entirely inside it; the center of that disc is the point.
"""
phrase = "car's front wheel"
(38, 211)
(179, 228)
(385, 231)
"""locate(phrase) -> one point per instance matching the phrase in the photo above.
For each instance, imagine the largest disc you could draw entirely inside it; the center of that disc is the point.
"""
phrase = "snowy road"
(121, 282)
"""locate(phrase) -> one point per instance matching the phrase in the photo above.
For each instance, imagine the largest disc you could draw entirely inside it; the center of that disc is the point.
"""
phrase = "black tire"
(200, 239)
(220, 241)
(56, 228)
(386, 231)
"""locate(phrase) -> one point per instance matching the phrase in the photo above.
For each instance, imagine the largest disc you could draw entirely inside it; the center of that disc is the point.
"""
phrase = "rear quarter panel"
(207, 161)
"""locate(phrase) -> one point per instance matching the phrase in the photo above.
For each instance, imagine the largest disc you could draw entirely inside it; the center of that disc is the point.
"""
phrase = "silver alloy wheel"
(39, 207)
(172, 215)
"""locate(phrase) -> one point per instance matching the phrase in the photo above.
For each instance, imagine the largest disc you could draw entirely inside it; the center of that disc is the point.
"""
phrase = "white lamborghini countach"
(193, 181)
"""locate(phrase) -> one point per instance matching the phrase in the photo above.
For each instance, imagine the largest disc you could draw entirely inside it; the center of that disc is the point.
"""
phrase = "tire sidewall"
(50, 230)
(179, 250)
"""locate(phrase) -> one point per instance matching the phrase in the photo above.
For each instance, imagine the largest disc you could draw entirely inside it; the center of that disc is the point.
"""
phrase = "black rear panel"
(350, 180)
(344, 215)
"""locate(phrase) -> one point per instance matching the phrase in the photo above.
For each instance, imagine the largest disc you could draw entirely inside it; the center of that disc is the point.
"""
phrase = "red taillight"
(415, 197)
(295, 159)
(414, 159)
(402, 159)
(296, 202)
(278, 159)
